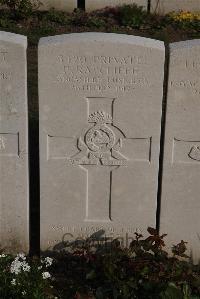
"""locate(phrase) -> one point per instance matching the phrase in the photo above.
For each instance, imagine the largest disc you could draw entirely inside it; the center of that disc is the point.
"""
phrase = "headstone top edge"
(102, 37)
(184, 44)
(13, 38)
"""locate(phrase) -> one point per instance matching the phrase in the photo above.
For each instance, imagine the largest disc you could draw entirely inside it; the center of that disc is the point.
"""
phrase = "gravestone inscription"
(180, 204)
(14, 190)
(100, 113)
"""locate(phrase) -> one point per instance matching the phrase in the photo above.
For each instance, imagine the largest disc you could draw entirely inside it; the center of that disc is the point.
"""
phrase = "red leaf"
(152, 231)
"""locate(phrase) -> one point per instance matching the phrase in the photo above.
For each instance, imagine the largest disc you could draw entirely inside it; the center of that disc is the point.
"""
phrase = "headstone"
(14, 187)
(99, 4)
(180, 205)
(63, 5)
(165, 6)
(100, 110)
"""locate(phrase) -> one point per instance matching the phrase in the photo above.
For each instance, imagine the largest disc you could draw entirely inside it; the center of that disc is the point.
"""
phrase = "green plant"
(132, 15)
(21, 8)
(58, 17)
(21, 277)
(79, 18)
(96, 268)
(90, 269)
(94, 21)
(185, 20)
(5, 20)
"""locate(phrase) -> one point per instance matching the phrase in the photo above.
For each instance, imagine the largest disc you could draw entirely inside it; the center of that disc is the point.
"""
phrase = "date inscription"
(103, 73)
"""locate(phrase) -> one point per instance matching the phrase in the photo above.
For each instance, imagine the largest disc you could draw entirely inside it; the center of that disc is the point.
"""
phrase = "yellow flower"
(185, 16)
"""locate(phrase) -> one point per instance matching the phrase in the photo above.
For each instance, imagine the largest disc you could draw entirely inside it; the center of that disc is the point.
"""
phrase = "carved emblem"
(194, 153)
(100, 145)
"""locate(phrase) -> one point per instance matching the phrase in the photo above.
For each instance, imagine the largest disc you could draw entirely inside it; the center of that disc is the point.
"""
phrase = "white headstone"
(14, 187)
(165, 6)
(98, 4)
(180, 205)
(100, 110)
(63, 5)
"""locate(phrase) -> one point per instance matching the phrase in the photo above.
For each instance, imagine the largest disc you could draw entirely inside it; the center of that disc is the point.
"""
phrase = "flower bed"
(90, 270)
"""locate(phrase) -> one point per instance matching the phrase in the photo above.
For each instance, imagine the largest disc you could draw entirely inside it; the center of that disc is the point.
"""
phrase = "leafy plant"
(24, 278)
(185, 20)
(132, 15)
(58, 17)
(79, 18)
(142, 271)
(96, 268)
(97, 22)
(21, 8)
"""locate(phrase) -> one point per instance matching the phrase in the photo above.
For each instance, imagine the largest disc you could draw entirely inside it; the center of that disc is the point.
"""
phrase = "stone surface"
(14, 190)
(65, 5)
(180, 208)
(98, 4)
(165, 6)
(100, 110)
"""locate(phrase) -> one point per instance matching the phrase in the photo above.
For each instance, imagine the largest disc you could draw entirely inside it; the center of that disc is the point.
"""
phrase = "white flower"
(48, 261)
(21, 256)
(3, 255)
(17, 266)
(40, 267)
(46, 275)
(24, 293)
(26, 267)
(13, 282)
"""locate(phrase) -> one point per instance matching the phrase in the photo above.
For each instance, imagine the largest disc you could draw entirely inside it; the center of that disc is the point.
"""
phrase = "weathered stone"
(165, 6)
(100, 110)
(14, 190)
(180, 205)
(98, 4)
(64, 5)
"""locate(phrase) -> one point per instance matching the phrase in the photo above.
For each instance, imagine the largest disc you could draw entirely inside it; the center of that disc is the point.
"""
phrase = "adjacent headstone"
(100, 111)
(98, 4)
(165, 6)
(63, 5)
(14, 186)
(180, 205)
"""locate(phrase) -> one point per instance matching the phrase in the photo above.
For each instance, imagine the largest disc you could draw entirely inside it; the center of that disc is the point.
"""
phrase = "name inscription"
(102, 73)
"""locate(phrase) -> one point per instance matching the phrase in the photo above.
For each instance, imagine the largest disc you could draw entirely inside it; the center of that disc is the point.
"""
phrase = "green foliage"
(96, 268)
(185, 20)
(5, 20)
(79, 18)
(91, 269)
(21, 8)
(22, 17)
(24, 278)
(132, 15)
(94, 21)
(58, 17)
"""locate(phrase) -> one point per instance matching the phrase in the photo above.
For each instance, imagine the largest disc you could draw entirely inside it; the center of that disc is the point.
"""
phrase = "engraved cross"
(101, 148)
